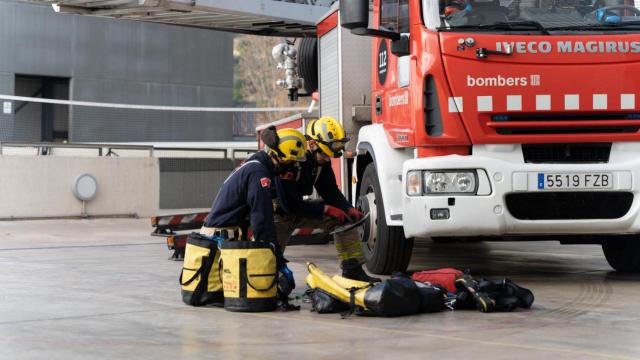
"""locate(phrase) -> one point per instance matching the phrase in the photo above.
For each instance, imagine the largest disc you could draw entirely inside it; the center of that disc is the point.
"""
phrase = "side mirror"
(400, 47)
(354, 15)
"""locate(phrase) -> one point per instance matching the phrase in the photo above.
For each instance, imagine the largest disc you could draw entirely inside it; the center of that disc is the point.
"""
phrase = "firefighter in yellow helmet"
(326, 139)
(246, 197)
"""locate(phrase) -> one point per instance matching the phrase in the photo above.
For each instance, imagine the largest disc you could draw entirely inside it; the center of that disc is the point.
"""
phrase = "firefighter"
(326, 140)
(245, 198)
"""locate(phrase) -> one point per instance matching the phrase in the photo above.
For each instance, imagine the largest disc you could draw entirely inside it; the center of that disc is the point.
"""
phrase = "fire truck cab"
(490, 119)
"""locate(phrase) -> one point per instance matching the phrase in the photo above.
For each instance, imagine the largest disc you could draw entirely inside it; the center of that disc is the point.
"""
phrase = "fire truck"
(482, 120)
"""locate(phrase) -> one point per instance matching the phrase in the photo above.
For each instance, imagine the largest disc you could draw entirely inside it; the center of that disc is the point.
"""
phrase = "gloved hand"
(286, 283)
(337, 214)
(355, 214)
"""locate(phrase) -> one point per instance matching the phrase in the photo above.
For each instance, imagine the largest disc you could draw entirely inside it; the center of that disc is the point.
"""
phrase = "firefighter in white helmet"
(326, 139)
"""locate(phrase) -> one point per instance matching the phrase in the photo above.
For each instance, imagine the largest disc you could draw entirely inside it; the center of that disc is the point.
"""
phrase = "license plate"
(569, 181)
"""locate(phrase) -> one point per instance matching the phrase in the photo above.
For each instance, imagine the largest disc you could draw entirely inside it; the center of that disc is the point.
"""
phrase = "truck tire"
(623, 254)
(385, 248)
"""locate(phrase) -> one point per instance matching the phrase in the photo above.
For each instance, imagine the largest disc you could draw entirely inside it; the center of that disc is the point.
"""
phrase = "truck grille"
(580, 205)
(566, 153)
(538, 124)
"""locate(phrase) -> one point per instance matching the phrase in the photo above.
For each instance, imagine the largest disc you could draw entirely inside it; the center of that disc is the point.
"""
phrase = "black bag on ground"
(323, 303)
(393, 297)
(431, 298)
(491, 295)
(199, 278)
(507, 294)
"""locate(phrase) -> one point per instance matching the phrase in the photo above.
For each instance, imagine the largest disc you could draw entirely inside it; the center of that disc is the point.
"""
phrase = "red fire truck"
(486, 119)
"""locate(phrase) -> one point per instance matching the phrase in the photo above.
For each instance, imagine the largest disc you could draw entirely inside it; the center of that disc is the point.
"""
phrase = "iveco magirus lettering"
(570, 47)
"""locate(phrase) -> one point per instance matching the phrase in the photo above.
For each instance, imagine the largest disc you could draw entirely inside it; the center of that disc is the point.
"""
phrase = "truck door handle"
(482, 53)
(378, 105)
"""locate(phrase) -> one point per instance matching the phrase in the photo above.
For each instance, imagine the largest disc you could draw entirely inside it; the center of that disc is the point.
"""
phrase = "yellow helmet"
(329, 135)
(292, 146)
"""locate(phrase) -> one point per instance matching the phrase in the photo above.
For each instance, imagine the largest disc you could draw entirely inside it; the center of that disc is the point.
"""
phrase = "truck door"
(391, 81)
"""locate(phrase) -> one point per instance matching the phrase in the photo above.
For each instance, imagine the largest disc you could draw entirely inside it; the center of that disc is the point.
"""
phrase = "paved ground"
(84, 289)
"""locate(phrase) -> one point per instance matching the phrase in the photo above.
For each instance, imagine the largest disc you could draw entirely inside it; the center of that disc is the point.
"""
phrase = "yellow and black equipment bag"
(249, 276)
(200, 276)
(392, 297)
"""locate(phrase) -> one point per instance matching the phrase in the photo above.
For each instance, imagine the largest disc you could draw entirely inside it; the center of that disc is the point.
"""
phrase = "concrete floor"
(86, 289)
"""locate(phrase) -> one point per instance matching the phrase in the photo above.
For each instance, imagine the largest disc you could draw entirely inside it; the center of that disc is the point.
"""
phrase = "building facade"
(51, 55)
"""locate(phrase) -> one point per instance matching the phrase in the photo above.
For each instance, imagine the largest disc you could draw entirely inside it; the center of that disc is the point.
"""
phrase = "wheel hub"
(369, 229)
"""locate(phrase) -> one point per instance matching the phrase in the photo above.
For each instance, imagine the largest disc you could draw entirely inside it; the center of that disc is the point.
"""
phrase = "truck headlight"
(436, 182)
(449, 182)
(414, 183)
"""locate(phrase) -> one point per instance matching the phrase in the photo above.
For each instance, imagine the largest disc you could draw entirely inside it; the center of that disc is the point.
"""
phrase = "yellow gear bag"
(200, 276)
(343, 289)
(249, 276)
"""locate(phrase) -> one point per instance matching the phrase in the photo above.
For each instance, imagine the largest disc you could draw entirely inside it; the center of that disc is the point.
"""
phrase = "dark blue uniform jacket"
(246, 198)
(292, 186)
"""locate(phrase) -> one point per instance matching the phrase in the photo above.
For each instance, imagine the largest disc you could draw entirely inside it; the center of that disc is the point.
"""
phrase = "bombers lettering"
(496, 81)
(569, 47)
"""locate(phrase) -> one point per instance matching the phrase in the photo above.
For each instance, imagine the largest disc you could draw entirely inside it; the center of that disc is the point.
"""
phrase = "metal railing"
(45, 148)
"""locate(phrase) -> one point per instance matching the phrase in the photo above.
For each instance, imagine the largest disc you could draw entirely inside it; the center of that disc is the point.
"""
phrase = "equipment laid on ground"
(323, 303)
(249, 276)
(443, 277)
(432, 298)
(393, 297)
(491, 295)
(200, 276)
(468, 294)
(508, 295)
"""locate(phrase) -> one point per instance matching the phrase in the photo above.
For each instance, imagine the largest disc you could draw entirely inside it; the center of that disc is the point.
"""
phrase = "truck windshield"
(539, 15)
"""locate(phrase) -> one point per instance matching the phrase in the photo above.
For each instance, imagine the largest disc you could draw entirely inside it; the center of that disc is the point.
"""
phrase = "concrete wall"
(119, 61)
(41, 186)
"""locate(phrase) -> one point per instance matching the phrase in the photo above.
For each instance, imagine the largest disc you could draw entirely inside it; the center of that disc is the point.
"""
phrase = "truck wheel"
(385, 247)
(623, 254)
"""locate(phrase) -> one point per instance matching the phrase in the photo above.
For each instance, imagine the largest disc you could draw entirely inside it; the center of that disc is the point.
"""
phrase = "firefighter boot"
(351, 269)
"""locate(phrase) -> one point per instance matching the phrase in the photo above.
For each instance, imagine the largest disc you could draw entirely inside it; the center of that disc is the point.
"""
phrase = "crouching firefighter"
(246, 199)
(326, 139)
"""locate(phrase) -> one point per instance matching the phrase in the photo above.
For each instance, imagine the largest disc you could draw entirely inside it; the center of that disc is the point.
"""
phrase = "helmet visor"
(336, 146)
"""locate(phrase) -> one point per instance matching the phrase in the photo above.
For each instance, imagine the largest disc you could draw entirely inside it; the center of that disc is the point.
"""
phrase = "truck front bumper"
(509, 201)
